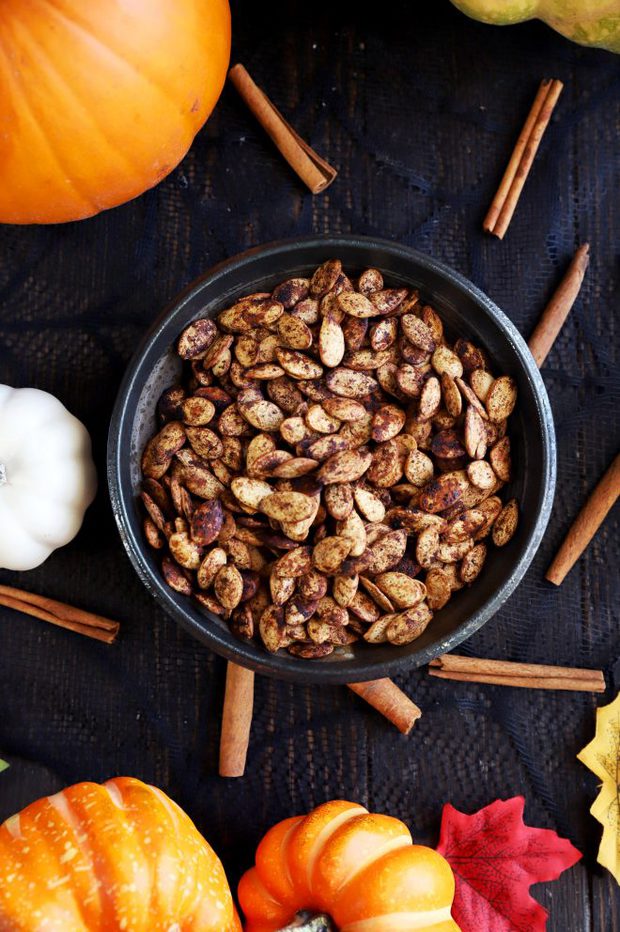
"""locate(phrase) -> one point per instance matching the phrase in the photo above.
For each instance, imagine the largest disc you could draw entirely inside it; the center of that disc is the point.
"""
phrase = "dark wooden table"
(419, 108)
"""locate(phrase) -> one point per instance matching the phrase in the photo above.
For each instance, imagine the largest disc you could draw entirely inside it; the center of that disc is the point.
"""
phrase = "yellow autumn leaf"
(602, 756)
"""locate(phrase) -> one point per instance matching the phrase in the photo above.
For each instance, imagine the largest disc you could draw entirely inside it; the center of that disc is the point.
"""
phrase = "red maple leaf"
(495, 858)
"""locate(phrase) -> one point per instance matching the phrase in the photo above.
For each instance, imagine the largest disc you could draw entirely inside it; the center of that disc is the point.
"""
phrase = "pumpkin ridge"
(65, 810)
(106, 868)
(285, 864)
(13, 826)
(323, 837)
(166, 803)
(78, 24)
(86, 113)
(43, 534)
(167, 806)
(20, 536)
(264, 890)
(272, 870)
(392, 845)
(27, 106)
(114, 789)
(401, 922)
(61, 499)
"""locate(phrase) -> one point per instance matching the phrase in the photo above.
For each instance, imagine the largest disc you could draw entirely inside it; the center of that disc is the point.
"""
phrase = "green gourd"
(588, 22)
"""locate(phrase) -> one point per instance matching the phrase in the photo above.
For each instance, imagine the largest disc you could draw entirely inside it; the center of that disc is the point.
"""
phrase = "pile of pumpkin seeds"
(328, 468)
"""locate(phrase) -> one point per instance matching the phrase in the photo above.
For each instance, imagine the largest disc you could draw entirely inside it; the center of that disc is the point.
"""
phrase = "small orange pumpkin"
(100, 99)
(121, 856)
(360, 868)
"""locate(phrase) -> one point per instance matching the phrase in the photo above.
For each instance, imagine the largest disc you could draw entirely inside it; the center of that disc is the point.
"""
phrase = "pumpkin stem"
(310, 922)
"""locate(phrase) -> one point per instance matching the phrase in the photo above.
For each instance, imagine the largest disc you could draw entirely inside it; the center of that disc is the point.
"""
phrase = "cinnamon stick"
(525, 675)
(586, 524)
(511, 169)
(460, 664)
(236, 720)
(70, 612)
(388, 699)
(314, 171)
(558, 308)
(60, 614)
(524, 682)
(506, 199)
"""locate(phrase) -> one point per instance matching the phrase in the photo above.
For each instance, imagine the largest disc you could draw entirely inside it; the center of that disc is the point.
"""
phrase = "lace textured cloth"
(419, 110)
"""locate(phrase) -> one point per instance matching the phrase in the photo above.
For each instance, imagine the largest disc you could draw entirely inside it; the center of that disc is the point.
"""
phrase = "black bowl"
(466, 311)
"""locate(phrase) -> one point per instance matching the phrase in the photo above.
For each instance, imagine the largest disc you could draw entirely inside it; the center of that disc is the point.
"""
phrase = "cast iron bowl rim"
(275, 665)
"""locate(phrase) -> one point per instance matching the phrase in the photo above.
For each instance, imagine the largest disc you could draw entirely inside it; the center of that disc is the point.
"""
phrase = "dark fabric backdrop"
(419, 108)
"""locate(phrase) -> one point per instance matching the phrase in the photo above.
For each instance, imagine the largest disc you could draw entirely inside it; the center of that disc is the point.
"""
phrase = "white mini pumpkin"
(47, 476)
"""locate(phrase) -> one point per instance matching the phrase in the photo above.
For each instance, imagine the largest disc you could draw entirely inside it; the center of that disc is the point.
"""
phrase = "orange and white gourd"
(106, 858)
(362, 869)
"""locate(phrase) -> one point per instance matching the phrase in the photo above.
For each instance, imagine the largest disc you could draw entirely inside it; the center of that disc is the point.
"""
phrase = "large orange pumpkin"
(100, 99)
(121, 856)
(361, 869)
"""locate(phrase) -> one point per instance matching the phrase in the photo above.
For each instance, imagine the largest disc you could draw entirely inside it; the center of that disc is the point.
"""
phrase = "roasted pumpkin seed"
(196, 339)
(350, 384)
(401, 590)
(211, 564)
(499, 457)
(385, 553)
(481, 475)
(418, 333)
(294, 333)
(329, 553)
(409, 625)
(505, 524)
(369, 504)
(287, 506)
(501, 398)
(473, 563)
